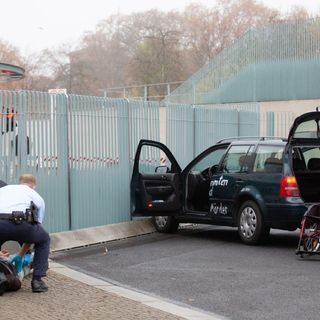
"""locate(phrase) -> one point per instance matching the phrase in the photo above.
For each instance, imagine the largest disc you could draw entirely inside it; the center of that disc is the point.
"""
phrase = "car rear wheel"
(250, 224)
(165, 224)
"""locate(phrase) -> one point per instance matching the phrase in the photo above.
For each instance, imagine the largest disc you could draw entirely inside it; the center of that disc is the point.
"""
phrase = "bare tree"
(146, 47)
(157, 51)
(210, 30)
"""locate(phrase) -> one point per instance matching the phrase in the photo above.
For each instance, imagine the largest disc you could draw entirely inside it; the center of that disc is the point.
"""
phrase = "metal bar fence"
(31, 138)
(191, 129)
(276, 123)
(79, 148)
(180, 132)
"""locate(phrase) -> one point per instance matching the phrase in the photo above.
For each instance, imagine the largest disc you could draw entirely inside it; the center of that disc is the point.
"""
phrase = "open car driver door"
(155, 183)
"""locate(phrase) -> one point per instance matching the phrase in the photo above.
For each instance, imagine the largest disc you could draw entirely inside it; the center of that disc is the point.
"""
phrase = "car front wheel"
(165, 224)
(250, 224)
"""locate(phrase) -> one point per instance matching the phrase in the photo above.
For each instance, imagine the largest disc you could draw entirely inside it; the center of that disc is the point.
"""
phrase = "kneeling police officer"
(21, 215)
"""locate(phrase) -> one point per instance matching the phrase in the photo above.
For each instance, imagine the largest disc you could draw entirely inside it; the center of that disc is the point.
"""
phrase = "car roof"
(254, 140)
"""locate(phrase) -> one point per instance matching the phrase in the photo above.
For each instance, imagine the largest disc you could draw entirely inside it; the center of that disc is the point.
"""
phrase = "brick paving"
(68, 299)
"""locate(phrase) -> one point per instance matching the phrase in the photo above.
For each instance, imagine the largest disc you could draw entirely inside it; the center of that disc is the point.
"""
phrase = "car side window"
(268, 159)
(235, 159)
(152, 160)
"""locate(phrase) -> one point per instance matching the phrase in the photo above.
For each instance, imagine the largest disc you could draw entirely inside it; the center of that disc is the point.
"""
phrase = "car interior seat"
(298, 164)
(314, 164)
(273, 165)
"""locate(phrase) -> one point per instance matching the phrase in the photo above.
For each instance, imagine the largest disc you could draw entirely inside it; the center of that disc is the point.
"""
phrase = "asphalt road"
(210, 269)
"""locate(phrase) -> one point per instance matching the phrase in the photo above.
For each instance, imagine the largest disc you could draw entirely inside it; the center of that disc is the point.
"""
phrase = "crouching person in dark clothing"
(21, 215)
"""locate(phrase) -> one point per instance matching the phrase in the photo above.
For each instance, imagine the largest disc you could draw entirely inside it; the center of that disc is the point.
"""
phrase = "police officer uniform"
(19, 222)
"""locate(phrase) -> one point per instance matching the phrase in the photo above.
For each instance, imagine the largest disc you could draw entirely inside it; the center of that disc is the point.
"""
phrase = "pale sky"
(32, 25)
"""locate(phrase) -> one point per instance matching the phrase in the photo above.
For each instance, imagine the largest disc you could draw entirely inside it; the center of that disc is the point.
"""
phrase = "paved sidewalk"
(73, 295)
(68, 299)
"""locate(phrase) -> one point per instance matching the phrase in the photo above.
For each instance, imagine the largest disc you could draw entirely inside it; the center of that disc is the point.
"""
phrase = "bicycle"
(309, 240)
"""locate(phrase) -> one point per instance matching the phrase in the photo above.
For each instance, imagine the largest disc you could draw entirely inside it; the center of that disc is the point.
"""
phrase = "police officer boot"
(39, 286)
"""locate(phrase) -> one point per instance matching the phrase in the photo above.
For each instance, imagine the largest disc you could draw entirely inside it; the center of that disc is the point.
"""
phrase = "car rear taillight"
(289, 187)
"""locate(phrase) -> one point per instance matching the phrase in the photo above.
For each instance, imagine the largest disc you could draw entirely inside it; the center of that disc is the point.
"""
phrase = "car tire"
(251, 227)
(165, 224)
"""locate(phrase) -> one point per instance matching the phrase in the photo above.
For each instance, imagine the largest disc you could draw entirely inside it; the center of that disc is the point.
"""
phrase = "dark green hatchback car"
(253, 184)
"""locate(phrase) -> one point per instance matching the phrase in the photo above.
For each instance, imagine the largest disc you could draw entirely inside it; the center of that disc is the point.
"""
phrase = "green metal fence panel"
(79, 148)
(10, 104)
(275, 62)
(104, 134)
(249, 124)
(99, 165)
(192, 129)
(144, 124)
(31, 126)
(54, 176)
(270, 124)
(214, 124)
(180, 132)
(282, 123)
(238, 106)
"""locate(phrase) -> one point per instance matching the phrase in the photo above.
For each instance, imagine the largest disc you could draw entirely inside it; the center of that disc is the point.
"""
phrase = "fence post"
(63, 148)
(124, 146)
(194, 130)
(270, 124)
(22, 138)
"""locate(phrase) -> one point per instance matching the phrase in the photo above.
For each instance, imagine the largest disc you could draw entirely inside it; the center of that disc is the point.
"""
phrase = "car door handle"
(239, 181)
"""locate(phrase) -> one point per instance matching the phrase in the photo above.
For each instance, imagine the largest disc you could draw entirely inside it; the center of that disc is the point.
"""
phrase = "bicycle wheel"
(311, 241)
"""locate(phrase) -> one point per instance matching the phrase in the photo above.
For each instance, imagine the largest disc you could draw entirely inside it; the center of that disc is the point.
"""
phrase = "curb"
(94, 235)
(88, 236)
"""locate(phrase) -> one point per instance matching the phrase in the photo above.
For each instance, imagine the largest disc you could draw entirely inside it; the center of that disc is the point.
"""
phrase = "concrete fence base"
(89, 236)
